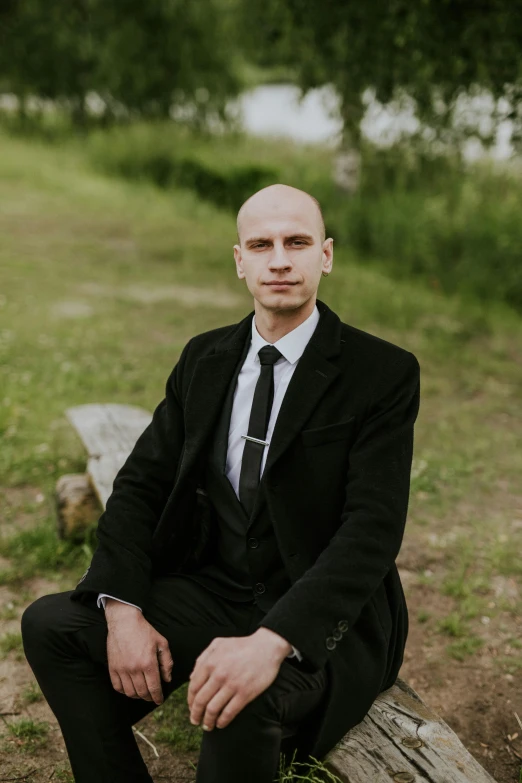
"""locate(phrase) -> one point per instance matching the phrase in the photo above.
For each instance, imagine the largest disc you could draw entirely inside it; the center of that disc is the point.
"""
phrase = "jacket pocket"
(331, 432)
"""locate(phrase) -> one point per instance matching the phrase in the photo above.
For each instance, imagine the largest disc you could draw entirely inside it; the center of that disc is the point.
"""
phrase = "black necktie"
(257, 427)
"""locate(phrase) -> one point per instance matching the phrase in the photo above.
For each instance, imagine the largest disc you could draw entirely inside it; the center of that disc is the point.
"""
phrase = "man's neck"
(273, 325)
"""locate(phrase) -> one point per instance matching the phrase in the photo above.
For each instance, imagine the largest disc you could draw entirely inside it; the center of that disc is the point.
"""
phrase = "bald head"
(275, 200)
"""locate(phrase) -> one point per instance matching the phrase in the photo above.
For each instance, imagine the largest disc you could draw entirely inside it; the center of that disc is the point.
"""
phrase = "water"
(275, 110)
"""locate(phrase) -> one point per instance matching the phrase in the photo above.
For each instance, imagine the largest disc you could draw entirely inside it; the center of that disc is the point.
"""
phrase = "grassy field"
(102, 282)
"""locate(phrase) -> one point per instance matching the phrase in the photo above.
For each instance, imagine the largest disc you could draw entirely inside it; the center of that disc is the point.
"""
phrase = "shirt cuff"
(295, 654)
(101, 601)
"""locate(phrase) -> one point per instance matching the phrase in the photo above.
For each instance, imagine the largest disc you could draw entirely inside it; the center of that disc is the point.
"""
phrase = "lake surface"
(275, 110)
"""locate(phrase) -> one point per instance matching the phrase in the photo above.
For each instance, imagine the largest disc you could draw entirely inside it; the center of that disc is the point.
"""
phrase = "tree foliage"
(139, 57)
(433, 51)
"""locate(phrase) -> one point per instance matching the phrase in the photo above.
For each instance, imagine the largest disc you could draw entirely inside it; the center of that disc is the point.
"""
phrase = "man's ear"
(328, 254)
(239, 261)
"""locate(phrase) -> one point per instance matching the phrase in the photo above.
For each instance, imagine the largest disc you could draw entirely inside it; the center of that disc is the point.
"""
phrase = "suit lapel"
(311, 379)
(208, 387)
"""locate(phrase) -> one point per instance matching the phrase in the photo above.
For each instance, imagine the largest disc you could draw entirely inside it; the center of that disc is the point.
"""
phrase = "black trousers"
(65, 644)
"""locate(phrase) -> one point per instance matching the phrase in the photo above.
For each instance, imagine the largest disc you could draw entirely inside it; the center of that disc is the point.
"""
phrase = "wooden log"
(401, 740)
(77, 506)
(110, 428)
(109, 433)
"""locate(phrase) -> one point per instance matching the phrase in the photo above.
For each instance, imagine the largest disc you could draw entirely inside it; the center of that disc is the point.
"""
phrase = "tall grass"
(416, 213)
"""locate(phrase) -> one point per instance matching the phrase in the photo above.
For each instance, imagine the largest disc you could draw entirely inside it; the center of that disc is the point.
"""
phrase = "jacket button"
(253, 543)
(343, 626)
(337, 635)
(260, 588)
(330, 643)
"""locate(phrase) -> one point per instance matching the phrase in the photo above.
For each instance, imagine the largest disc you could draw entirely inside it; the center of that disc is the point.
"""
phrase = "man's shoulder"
(205, 341)
(371, 348)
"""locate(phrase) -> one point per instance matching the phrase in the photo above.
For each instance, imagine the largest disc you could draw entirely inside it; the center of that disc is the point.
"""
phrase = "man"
(249, 543)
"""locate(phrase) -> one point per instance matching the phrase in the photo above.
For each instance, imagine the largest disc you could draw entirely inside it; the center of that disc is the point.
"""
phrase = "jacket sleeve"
(121, 565)
(368, 540)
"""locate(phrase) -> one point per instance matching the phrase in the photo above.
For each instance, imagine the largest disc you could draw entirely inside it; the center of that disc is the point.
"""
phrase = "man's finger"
(199, 677)
(216, 705)
(116, 681)
(141, 686)
(153, 681)
(128, 686)
(165, 662)
(202, 698)
(233, 708)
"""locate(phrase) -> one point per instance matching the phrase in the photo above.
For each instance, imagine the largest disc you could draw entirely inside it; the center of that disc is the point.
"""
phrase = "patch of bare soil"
(477, 697)
(21, 508)
(191, 296)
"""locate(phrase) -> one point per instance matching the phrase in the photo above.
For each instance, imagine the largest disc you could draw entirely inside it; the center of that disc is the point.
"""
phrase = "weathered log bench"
(109, 433)
(400, 740)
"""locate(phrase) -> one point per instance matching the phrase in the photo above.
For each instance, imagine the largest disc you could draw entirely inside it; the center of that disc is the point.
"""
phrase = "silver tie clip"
(256, 440)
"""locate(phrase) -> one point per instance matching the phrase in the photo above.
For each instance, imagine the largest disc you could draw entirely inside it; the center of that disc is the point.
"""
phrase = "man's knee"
(265, 707)
(40, 621)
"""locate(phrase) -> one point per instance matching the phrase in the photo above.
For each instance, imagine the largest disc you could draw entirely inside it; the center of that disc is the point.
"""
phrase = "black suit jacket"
(336, 479)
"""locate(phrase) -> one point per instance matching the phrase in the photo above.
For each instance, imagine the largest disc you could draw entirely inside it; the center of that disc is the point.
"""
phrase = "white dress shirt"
(291, 346)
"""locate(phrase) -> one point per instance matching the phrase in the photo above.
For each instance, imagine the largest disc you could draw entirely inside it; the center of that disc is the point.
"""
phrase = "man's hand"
(231, 672)
(136, 653)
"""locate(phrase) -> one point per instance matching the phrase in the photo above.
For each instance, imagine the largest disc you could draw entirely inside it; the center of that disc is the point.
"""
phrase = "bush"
(457, 226)
(165, 156)
(416, 213)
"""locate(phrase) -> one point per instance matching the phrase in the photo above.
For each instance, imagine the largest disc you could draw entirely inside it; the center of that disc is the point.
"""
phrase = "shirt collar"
(292, 344)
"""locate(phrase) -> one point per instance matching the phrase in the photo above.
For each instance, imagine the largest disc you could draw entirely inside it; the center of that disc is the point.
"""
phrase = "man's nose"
(279, 256)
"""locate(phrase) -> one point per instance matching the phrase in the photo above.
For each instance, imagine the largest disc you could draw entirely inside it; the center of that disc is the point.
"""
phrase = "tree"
(154, 54)
(46, 49)
(433, 51)
(139, 57)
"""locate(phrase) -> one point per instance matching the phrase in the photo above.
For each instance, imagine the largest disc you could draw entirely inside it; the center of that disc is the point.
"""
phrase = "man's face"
(281, 255)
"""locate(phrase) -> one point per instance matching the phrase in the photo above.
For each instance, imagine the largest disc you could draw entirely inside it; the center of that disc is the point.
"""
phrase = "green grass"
(11, 642)
(464, 648)
(32, 694)
(172, 724)
(416, 214)
(64, 775)
(39, 552)
(452, 625)
(29, 733)
(456, 226)
(315, 771)
(95, 274)
(512, 664)
(9, 611)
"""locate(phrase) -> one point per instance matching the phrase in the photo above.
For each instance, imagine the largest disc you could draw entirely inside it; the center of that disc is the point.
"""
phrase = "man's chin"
(282, 300)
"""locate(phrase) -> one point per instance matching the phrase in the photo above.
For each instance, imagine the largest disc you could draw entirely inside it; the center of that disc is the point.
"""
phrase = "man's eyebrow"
(253, 240)
(307, 237)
